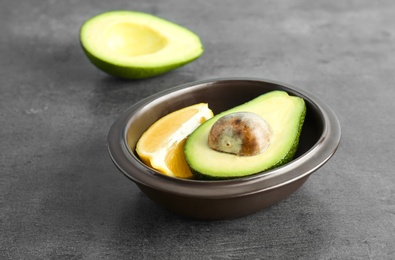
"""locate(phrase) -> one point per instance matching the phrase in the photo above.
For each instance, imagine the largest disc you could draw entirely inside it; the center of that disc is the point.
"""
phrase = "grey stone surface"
(62, 198)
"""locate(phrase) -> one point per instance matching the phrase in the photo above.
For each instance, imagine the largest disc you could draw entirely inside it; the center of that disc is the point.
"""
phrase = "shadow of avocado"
(111, 96)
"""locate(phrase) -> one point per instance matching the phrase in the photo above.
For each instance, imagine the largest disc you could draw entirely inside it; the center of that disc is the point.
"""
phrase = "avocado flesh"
(136, 45)
(284, 113)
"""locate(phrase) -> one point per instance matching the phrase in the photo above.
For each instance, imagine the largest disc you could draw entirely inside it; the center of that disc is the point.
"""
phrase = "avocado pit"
(241, 133)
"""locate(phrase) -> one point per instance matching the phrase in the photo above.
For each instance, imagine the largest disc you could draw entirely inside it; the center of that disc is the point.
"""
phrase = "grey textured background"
(62, 198)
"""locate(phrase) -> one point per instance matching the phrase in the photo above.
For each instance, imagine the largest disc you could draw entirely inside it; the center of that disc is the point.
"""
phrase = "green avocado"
(135, 45)
(283, 113)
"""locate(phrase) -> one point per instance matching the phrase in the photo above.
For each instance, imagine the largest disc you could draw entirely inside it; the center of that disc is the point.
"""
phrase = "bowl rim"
(131, 166)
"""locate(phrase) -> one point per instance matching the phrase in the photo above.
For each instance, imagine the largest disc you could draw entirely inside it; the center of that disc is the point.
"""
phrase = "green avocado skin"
(126, 72)
(287, 157)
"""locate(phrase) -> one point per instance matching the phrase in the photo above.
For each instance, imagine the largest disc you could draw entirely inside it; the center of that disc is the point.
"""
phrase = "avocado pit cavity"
(241, 133)
(132, 39)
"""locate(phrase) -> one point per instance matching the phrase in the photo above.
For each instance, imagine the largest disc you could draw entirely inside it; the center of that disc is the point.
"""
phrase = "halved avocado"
(137, 45)
(285, 115)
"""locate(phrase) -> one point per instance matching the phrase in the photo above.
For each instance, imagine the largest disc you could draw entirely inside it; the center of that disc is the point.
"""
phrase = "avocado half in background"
(137, 45)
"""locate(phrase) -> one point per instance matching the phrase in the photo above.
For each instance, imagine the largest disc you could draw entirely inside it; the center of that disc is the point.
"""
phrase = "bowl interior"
(220, 96)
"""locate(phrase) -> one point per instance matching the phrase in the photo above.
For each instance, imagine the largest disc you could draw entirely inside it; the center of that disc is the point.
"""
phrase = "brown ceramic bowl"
(220, 199)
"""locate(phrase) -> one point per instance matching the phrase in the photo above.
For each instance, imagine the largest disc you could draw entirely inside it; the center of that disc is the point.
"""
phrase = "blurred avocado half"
(135, 45)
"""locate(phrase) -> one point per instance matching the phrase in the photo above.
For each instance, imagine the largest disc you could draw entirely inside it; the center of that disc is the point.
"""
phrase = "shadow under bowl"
(222, 199)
